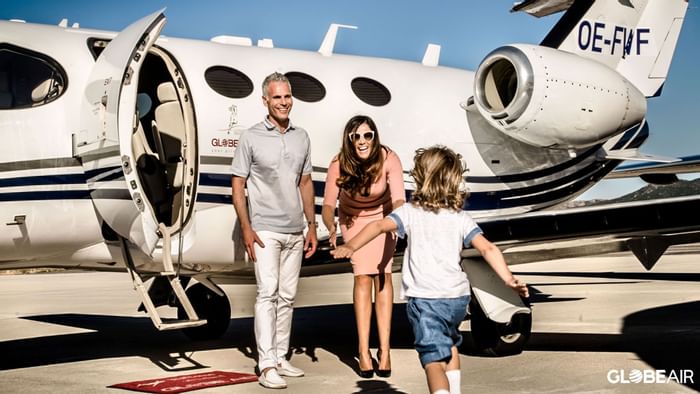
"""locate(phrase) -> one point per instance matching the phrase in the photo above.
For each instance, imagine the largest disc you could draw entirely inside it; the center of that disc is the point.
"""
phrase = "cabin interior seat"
(169, 130)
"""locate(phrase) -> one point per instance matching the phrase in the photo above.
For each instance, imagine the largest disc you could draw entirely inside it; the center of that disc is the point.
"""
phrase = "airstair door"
(104, 141)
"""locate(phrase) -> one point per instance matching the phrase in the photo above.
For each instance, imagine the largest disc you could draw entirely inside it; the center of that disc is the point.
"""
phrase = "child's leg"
(453, 372)
(454, 361)
(444, 376)
(437, 379)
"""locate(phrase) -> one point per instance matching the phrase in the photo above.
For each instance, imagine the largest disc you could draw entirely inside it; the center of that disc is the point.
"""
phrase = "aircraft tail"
(637, 38)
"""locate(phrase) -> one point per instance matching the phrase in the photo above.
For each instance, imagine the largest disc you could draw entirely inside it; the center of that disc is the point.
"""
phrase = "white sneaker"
(285, 368)
(271, 379)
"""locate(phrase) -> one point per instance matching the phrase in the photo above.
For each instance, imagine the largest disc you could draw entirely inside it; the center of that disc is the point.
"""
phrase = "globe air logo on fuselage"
(609, 39)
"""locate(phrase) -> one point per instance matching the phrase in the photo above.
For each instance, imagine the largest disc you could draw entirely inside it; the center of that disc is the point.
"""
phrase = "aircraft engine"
(550, 98)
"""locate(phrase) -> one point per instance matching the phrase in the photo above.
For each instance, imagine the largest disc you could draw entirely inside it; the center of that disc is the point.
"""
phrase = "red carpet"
(180, 384)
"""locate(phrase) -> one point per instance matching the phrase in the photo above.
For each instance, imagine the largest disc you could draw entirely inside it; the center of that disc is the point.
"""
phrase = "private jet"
(119, 144)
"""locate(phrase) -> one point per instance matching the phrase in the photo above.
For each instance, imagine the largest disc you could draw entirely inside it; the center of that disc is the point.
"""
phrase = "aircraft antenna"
(328, 43)
(431, 57)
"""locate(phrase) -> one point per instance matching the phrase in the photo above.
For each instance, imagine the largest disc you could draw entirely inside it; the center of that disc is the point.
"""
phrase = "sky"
(396, 29)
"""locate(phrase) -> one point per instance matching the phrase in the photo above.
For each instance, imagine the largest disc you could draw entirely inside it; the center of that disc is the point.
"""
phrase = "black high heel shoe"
(382, 373)
(365, 374)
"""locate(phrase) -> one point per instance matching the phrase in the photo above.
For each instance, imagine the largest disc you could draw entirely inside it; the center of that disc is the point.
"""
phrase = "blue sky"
(399, 29)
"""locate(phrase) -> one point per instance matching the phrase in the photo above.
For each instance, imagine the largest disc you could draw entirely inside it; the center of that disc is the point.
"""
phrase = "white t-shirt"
(431, 263)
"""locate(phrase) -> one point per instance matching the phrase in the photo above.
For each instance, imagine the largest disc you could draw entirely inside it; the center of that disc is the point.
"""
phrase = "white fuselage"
(43, 181)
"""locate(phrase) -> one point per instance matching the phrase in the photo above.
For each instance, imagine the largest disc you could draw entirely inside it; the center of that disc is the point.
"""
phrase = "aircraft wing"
(647, 228)
(652, 171)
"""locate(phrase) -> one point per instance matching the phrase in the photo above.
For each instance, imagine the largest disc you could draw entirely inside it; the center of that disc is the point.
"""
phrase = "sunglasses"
(367, 135)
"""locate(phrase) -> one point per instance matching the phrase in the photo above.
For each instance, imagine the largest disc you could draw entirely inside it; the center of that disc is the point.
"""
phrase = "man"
(273, 160)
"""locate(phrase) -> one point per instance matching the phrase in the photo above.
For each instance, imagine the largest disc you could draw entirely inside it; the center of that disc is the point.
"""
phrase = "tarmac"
(601, 324)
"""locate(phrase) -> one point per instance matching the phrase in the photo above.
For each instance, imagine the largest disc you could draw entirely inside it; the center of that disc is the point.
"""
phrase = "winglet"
(328, 43)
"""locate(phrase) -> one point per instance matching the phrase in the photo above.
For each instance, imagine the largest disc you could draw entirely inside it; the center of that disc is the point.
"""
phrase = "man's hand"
(250, 238)
(311, 241)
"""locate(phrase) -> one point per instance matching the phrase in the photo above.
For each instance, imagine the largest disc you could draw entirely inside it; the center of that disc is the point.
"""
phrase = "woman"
(367, 180)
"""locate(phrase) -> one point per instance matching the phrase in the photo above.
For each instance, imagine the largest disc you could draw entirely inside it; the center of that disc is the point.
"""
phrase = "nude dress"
(355, 213)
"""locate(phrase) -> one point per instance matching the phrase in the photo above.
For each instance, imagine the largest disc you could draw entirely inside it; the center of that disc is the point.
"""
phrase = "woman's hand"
(332, 237)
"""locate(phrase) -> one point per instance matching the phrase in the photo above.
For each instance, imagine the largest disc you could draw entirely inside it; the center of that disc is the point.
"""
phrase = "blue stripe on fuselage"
(539, 193)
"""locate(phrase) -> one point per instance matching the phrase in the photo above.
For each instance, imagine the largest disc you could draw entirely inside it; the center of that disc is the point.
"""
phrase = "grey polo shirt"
(272, 163)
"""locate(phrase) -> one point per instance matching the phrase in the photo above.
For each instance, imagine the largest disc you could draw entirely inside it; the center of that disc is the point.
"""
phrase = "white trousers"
(277, 275)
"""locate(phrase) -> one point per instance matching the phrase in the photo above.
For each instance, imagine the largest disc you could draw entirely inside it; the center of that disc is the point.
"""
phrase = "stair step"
(167, 324)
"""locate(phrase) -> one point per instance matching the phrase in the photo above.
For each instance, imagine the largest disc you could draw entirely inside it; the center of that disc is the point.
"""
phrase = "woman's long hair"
(439, 183)
(356, 174)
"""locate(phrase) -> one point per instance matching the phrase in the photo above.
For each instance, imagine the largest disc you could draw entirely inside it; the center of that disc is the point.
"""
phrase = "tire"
(498, 339)
(210, 306)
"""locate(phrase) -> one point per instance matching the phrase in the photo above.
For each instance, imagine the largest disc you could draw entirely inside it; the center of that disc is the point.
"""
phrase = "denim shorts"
(435, 323)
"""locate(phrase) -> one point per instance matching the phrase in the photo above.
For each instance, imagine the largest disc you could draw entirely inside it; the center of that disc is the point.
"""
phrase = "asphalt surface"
(601, 324)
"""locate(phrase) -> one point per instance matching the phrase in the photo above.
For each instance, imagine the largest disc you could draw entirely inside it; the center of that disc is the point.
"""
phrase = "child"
(432, 278)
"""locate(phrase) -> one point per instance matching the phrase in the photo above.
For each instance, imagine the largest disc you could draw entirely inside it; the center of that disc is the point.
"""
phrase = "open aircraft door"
(156, 195)
(104, 140)
(143, 188)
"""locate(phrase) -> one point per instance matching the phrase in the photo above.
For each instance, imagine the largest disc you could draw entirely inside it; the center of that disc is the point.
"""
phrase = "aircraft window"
(96, 46)
(228, 82)
(28, 78)
(370, 91)
(305, 87)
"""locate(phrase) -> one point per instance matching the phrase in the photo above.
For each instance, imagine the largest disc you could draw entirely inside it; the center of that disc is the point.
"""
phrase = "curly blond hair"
(439, 183)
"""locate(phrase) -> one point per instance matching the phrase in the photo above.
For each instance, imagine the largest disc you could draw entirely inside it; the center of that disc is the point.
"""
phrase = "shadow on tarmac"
(666, 338)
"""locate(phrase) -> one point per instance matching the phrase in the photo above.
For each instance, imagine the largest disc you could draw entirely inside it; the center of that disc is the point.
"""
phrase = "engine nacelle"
(550, 98)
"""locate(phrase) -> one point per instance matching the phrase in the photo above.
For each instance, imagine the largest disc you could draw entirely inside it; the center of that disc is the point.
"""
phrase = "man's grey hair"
(275, 77)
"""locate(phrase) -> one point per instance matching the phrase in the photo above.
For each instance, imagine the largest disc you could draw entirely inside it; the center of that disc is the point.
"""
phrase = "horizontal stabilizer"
(635, 154)
(540, 8)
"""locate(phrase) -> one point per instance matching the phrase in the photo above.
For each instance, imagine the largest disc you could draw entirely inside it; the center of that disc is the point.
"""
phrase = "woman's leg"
(384, 303)
(362, 301)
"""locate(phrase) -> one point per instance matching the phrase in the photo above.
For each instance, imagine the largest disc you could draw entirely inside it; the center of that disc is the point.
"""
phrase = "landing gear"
(499, 339)
(210, 306)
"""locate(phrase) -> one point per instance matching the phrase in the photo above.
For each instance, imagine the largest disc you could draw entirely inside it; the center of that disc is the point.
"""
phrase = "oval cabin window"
(305, 87)
(370, 91)
(228, 82)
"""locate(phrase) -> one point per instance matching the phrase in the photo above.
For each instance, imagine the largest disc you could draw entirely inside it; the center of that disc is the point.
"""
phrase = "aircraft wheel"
(210, 306)
(498, 339)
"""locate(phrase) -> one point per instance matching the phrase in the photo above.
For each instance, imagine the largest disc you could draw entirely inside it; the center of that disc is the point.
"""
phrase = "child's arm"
(494, 257)
(367, 234)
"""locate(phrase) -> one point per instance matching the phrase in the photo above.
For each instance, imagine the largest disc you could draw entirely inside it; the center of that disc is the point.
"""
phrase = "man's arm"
(250, 237)
(306, 189)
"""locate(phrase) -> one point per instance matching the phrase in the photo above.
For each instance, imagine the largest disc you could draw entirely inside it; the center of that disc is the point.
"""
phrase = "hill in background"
(648, 192)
